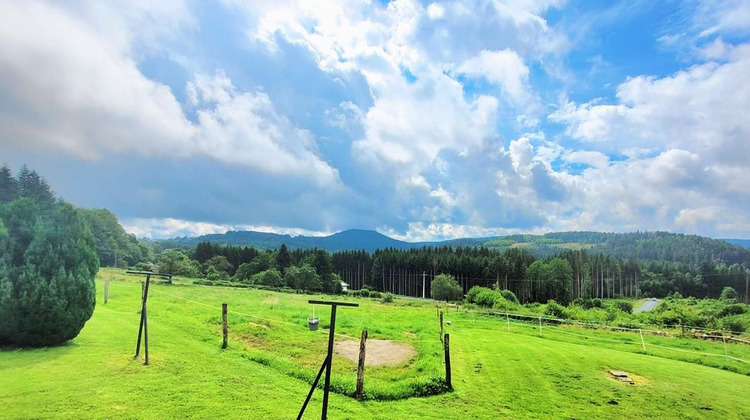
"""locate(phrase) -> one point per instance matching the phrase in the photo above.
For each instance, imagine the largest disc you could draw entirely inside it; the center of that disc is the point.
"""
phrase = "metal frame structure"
(328, 360)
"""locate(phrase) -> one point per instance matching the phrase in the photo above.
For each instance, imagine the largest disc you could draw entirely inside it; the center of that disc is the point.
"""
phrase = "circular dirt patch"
(377, 352)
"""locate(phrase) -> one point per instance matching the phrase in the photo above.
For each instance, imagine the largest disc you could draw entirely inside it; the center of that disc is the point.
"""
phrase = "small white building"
(344, 286)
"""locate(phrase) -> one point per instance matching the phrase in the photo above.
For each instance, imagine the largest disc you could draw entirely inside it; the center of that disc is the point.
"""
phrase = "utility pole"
(747, 280)
(423, 283)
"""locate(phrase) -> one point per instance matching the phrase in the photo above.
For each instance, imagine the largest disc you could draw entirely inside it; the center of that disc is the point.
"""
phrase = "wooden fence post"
(441, 325)
(106, 290)
(359, 393)
(224, 328)
(446, 346)
(643, 342)
(540, 325)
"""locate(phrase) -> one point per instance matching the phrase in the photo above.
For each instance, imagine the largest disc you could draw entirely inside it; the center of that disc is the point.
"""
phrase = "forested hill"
(654, 246)
(353, 239)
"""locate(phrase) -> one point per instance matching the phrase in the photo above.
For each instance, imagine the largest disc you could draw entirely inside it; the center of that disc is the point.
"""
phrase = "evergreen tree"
(8, 185)
(33, 186)
(48, 300)
(283, 259)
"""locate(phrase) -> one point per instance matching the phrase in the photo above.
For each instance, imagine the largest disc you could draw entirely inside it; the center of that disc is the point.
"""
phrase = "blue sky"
(423, 120)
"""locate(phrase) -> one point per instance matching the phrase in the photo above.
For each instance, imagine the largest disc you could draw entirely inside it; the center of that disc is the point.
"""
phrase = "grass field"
(265, 371)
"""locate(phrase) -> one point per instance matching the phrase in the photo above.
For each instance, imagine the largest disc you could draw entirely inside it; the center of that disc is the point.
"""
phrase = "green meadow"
(499, 369)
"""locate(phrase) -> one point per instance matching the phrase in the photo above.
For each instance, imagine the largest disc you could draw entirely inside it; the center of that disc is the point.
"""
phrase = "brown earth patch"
(632, 379)
(378, 352)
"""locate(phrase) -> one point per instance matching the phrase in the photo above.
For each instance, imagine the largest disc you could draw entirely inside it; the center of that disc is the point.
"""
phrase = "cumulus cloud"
(94, 99)
(174, 228)
(98, 101)
(245, 129)
(505, 69)
(701, 107)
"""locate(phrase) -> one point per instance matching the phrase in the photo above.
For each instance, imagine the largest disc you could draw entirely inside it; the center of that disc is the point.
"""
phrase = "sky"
(422, 120)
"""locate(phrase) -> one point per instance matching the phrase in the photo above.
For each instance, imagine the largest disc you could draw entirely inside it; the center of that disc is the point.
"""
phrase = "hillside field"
(266, 370)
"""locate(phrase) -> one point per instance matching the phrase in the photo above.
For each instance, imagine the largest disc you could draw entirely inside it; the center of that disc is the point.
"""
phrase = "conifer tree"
(8, 185)
(48, 297)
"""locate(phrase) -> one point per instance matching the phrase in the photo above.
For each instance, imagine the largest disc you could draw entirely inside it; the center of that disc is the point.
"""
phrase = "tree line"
(563, 277)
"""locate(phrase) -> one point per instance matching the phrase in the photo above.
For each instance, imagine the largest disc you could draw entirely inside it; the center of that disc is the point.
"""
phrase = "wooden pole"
(145, 334)
(423, 284)
(144, 297)
(106, 290)
(507, 317)
(224, 327)
(447, 348)
(359, 393)
(643, 342)
(540, 325)
(441, 325)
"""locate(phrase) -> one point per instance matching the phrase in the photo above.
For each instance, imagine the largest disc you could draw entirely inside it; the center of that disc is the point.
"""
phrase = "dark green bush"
(444, 287)
(471, 295)
(509, 296)
(733, 309)
(554, 309)
(623, 305)
(733, 324)
(487, 298)
(587, 303)
(387, 298)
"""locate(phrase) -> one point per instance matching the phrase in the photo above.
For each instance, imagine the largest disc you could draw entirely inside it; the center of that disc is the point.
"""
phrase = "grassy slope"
(521, 376)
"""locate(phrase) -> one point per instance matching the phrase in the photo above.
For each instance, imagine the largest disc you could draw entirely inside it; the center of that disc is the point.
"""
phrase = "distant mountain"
(745, 243)
(651, 246)
(352, 239)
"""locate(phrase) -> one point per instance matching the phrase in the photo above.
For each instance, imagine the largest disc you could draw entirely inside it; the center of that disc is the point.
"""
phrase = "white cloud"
(588, 157)
(73, 91)
(425, 232)
(435, 11)
(722, 17)
(174, 228)
(408, 126)
(76, 87)
(346, 115)
(505, 69)
(701, 108)
(245, 129)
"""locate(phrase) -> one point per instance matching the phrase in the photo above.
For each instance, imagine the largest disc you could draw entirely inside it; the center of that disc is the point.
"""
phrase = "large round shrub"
(445, 287)
(487, 298)
(46, 296)
(471, 295)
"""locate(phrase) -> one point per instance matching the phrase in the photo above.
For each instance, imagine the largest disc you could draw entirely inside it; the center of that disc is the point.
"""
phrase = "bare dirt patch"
(627, 377)
(378, 352)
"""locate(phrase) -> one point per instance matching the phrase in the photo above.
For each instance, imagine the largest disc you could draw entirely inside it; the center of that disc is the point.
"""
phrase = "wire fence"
(269, 320)
(540, 324)
(531, 323)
